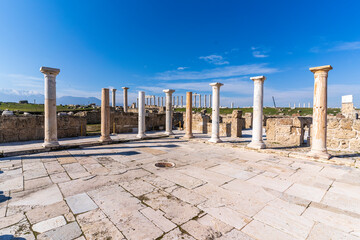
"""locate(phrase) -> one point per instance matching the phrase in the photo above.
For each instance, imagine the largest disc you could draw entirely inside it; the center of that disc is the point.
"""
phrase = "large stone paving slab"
(213, 192)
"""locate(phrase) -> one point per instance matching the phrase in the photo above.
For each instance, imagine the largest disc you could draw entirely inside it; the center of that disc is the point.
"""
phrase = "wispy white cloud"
(182, 68)
(219, 72)
(346, 46)
(259, 52)
(214, 59)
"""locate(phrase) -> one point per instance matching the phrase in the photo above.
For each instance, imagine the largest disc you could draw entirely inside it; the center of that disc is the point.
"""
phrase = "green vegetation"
(267, 110)
(93, 128)
(35, 108)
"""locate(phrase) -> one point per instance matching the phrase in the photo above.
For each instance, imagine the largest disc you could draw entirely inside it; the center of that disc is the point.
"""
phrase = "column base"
(141, 135)
(105, 139)
(256, 145)
(169, 133)
(47, 144)
(188, 136)
(319, 154)
(215, 140)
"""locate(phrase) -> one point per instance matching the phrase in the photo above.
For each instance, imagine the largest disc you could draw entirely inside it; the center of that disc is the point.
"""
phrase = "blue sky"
(184, 45)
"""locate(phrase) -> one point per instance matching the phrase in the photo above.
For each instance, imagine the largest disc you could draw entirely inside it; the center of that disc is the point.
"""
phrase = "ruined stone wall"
(248, 120)
(27, 128)
(343, 134)
(92, 117)
(289, 131)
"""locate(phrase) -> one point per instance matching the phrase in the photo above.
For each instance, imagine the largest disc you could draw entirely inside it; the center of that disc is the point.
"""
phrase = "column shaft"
(319, 127)
(188, 129)
(50, 120)
(141, 115)
(113, 98)
(257, 127)
(105, 116)
(125, 100)
(168, 123)
(215, 117)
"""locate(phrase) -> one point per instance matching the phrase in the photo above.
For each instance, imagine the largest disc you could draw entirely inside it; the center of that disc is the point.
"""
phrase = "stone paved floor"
(214, 192)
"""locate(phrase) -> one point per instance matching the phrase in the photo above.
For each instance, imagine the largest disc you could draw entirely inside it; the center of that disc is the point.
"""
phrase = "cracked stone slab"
(80, 203)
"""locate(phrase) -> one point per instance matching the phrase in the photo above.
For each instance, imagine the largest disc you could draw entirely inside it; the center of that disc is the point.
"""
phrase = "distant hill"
(65, 100)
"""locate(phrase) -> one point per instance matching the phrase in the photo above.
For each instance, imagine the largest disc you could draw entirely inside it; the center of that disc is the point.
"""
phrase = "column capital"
(113, 89)
(325, 68)
(216, 84)
(169, 91)
(125, 88)
(49, 71)
(257, 78)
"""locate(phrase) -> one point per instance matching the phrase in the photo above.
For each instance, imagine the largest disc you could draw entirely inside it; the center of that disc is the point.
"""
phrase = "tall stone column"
(50, 121)
(188, 129)
(154, 98)
(162, 101)
(195, 100)
(319, 127)
(137, 102)
(210, 101)
(215, 112)
(177, 101)
(182, 102)
(257, 127)
(113, 97)
(105, 116)
(199, 100)
(141, 116)
(159, 102)
(205, 101)
(125, 100)
(168, 123)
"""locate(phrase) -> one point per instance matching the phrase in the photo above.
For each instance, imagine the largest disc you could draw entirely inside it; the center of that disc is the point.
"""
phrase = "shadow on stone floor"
(10, 237)
(346, 155)
(3, 198)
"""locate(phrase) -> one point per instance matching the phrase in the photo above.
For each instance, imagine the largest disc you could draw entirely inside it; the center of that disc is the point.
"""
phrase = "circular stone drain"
(165, 164)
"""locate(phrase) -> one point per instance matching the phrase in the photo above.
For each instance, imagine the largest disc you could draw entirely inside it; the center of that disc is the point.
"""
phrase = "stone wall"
(230, 124)
(343, 134)
(248, 120)
(27, 128)
(289, 131)
(92, 117)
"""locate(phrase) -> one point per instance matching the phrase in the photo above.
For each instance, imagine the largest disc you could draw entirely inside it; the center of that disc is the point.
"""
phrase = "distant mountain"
(66, 100)
(34, 97)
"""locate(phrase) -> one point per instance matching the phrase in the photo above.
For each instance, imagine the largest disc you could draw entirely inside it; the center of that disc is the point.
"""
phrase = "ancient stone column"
(141, 116)
(210, 101)
(319, 127)
(162, 101)
(215, 112)
(158, 102)
(188, 130)
(199, 100)
(195, 100)
(205, 101)
(257, 128)
(182, 102)
(125, 99)
(177, 101)
(137, 102)
(50, 121)
(113, 97)
(105, 116)
(154, 100)
(168, 121)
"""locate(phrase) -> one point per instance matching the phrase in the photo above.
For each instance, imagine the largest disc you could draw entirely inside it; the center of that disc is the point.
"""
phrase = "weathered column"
(125, 100)
(154, 98)
(188, 129)
(182, 101)
(113, 97)
(141, 115)
(105, 116)
(177, 101)
(210, 101)
(257, 127)
(162, 101)
(199, 100)
(195, 100)
(50, 121)
(168, 123)
(137, 102)
(215, 112)
(158, 101)
(205, 101)
(319, 127)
